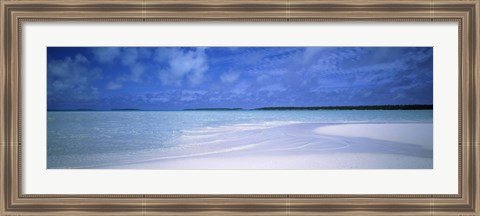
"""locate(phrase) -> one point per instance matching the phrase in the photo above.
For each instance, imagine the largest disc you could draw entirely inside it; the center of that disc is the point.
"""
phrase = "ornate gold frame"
(15, 12)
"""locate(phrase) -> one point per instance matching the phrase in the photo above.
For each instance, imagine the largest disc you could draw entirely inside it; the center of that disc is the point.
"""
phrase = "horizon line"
(347, 107)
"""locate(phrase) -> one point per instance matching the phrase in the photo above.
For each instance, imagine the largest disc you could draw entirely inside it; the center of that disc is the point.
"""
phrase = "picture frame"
(14, 13)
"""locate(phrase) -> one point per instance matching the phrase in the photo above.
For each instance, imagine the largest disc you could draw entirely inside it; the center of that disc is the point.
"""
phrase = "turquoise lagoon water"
(97, 138)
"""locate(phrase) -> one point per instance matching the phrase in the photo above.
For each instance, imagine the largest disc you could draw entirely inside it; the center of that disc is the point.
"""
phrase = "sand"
(299, 146)
(417, 134)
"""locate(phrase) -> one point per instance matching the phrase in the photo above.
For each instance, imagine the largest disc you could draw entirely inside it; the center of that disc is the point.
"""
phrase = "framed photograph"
(239, 108)
(299, 108)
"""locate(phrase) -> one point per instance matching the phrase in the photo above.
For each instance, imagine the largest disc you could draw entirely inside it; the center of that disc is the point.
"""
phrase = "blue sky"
(156, 78)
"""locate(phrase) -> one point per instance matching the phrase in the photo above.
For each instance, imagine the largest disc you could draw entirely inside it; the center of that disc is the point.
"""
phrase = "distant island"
(82, 109)
(71, 110)
(127, 109)
(373, 107)
(210, 109)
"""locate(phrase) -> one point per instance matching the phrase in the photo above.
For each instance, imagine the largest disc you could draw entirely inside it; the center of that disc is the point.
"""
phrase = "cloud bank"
(247, 77)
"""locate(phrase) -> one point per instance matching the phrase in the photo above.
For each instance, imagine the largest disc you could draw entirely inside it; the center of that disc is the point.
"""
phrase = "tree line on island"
(366, 107)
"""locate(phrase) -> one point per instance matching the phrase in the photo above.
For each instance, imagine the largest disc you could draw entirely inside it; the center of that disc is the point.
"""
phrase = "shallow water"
(99, 139)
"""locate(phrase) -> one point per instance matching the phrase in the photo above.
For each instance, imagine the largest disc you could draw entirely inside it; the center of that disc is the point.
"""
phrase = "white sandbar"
(298, 146)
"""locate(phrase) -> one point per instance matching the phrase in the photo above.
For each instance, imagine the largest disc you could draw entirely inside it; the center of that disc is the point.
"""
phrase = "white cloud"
(59, 85)
(310, 52)
(190, 65)
(159, 99)
(193, 62)
(106, 54)
(196, 77)
(167, 79)
(240, 88)
(60, 68)
(129, 56)
(262, 78)
(162, 55)
(70, 78)
(187, 98)
(273, 88)
(136, 73)
(114, 85)
(81, 59)
(229, 77)
(194, 92)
